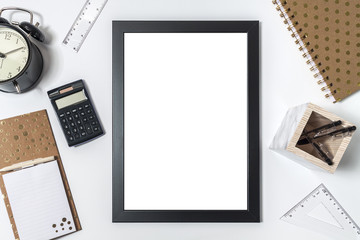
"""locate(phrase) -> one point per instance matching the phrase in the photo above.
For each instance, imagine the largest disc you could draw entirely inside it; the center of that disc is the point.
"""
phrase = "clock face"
(14, 53)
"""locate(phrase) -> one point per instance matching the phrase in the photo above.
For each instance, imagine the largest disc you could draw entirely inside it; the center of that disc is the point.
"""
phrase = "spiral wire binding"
(300, 39)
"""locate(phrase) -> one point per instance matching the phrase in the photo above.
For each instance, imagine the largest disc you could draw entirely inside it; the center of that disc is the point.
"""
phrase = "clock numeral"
(17, 41)
(24, 59)
(7, 36)
(9, 75)
(18, 69)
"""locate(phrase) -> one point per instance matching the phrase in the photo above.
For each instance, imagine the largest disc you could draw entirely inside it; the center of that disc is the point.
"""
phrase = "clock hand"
(12, 51)
(2, 55)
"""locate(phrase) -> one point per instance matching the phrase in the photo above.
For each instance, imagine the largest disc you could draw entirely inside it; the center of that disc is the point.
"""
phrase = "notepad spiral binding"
(320, 73)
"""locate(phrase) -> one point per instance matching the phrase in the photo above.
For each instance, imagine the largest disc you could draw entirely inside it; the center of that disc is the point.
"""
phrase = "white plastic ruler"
(319, 211)
(83, 23)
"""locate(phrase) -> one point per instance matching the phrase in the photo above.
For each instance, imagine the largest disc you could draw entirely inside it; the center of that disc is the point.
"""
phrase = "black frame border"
(252, 214)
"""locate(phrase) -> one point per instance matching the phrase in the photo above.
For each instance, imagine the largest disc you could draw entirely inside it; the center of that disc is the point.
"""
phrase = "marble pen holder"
(304, 118)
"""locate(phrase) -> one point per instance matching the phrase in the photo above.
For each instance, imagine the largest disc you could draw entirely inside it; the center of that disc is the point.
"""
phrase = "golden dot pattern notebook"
(328, 34)
(27, 137)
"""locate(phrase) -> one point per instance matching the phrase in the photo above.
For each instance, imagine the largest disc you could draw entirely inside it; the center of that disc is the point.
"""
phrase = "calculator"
(76, 113)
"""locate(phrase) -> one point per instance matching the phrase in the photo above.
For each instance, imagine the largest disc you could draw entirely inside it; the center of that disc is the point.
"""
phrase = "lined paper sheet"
(39, 203)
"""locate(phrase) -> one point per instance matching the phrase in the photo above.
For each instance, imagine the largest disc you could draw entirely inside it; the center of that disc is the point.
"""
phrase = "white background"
(285, 81)
(185, 121)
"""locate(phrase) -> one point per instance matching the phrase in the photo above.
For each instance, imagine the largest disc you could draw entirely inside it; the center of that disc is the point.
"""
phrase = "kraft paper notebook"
(328, 34)
(37, 198)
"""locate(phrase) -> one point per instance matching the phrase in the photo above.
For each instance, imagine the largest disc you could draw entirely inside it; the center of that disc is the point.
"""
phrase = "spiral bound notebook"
(328, 34)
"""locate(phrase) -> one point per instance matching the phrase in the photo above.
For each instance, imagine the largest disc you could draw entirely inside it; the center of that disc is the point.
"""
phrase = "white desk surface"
(285, 79)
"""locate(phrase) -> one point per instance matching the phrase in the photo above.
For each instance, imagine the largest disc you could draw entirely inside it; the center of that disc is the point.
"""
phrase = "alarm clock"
(21, 62)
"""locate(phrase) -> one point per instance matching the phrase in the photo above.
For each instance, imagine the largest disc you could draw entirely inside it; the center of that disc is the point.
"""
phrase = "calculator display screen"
(71, 99)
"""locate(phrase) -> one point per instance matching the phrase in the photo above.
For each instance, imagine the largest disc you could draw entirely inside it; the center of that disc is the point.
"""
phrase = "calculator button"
(96, 129)
(74, 130)
(88, 111)
(62, 115)
(63, 120)
(72, 124)
(83, 134)
(74, 110)
(91, 117)
(71, 138)
(70, 118)
(66, 126)
(86, 105)
(88, 129)
(76, 116)
(68, 113)
(77, 136)
(93, 123)
(78, 122)
(81, 127)
(80, 108)
(82, 114)
(84, 119)
(68, 132)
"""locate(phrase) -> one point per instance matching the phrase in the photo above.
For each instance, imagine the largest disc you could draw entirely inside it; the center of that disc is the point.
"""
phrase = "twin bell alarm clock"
(21, 62)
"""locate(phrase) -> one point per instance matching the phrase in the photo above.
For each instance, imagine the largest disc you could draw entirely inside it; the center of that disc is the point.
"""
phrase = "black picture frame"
(252, 214)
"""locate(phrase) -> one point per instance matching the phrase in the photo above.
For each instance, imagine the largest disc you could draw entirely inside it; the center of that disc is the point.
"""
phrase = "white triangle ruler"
(319, 211)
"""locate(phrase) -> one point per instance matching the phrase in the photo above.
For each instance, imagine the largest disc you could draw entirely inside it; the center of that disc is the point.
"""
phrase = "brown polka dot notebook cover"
(37, 198)
(328, 34)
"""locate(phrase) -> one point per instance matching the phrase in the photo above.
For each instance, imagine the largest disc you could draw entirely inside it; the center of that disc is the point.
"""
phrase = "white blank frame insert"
(167, 110)
(184, 122)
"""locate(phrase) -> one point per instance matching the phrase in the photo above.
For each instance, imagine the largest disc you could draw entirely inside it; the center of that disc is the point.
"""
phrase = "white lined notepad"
(39, 203)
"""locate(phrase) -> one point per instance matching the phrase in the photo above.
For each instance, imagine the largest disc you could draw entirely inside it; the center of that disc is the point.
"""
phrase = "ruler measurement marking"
(84, 23)
(322, 193)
